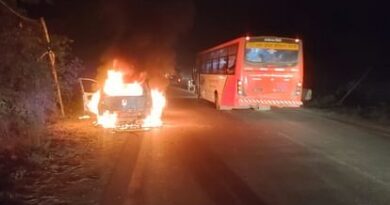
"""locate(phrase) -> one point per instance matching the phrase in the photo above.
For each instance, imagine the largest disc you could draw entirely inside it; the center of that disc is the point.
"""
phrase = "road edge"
(350, 120)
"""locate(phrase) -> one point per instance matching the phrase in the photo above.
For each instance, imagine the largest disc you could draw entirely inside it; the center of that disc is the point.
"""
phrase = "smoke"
(143, 35)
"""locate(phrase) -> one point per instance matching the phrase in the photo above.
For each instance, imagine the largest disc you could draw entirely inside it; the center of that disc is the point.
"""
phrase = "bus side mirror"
(307, 94)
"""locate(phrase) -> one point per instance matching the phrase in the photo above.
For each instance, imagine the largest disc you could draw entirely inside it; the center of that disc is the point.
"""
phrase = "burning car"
(130, 109)
(121, 105)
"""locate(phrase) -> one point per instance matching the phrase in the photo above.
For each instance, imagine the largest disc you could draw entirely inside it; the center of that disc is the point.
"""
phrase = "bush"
(27, 94)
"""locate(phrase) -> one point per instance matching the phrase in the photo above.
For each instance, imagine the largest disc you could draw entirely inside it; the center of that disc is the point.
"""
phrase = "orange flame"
(158, 105)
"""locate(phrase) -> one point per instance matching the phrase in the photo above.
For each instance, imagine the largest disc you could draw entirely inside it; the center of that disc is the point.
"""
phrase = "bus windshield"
(271, 53)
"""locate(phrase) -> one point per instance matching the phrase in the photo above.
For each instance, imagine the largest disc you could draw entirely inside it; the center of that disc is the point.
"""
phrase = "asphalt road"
(203, 156)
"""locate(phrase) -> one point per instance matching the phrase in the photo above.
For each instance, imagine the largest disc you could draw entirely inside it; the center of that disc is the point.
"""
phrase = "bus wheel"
(216, 101)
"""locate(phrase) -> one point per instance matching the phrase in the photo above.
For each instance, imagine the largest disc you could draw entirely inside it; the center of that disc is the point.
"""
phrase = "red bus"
(252, 72)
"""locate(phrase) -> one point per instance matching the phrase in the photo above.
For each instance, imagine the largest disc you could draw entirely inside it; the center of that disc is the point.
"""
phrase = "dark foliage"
(27, 95)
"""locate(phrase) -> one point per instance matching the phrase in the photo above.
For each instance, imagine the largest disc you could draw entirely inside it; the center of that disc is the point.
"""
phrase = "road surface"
(204, 156)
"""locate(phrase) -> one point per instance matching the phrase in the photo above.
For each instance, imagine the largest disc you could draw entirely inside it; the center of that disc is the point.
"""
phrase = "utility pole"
(52, 59)
(51, 54)
(354, 86)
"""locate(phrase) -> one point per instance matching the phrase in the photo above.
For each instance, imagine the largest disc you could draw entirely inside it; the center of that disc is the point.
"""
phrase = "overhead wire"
(18, 14)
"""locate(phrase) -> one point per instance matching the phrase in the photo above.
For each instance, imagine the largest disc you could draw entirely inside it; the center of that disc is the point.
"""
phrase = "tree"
(27, 98)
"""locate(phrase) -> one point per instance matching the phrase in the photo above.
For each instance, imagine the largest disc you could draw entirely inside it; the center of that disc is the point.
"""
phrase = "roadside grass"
(372, 115)
(65, 169)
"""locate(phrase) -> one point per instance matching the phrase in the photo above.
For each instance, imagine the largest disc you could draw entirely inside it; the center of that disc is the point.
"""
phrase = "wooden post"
(52, 59)
(354, 86)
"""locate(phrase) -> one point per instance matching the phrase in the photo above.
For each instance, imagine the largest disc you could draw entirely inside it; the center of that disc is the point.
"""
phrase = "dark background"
(342, 39)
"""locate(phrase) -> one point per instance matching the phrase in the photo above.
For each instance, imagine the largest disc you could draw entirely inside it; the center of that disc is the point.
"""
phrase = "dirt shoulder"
(375, 124)
(71, 167)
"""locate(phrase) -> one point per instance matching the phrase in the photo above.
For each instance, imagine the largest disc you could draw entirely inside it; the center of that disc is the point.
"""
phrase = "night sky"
(341, 39)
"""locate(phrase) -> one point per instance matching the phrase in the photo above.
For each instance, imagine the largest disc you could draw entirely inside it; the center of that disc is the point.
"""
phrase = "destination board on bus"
(273, 45)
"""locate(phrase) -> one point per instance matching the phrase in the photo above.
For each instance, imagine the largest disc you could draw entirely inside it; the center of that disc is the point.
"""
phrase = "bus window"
(215, 65)
(208, 66)
(214, 54)
(232, 55)
(203, 69)
(223, 52)
(231, 64)
(222, 64)
(271, 53)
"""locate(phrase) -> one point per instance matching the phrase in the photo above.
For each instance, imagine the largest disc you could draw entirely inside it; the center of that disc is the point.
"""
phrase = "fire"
(93, 104)
(158, 104)
(114, 85)
(107, 120)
